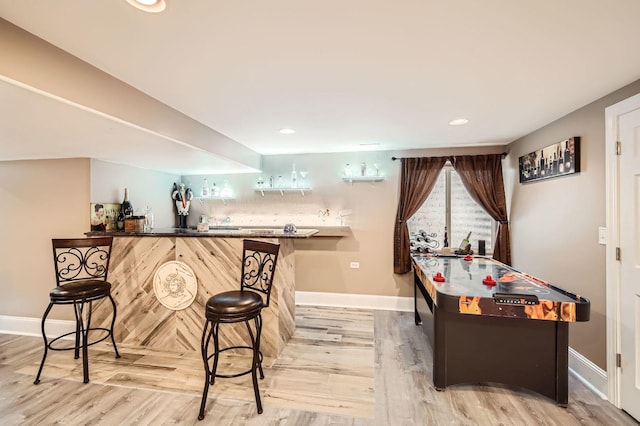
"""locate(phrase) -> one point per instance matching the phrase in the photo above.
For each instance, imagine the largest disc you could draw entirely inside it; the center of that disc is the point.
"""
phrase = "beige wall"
(41, 199)
(322, 264)
(146, 188)
(554, 223)
(45, 199)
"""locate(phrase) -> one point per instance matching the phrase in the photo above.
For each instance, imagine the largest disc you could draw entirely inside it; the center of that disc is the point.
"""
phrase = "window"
(450, 205)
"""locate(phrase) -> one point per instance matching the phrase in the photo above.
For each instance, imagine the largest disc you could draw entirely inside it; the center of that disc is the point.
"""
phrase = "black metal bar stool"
(81, 265)
(258, 267)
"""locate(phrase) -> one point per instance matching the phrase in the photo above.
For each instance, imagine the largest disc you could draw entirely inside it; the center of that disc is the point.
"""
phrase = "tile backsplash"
(270, 210)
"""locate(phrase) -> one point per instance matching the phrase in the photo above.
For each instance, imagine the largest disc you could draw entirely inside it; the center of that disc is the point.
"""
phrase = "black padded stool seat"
(245, 305)
(233, 304)
(87, 290)
(82, 266)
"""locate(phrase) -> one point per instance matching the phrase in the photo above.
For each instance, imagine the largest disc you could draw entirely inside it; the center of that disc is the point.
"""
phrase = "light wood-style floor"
(342, 367)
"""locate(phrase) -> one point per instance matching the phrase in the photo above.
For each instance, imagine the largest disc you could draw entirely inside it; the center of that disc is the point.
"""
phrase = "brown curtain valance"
(417, 178)
(481, 175)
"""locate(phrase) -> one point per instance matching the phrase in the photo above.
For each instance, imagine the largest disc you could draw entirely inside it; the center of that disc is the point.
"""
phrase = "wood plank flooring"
(342, 367)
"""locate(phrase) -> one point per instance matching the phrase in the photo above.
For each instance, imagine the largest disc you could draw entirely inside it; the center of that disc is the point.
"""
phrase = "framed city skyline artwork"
(559, 159)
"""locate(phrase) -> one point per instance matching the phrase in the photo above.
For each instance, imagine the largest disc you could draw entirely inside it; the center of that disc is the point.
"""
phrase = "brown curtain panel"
(417, 178)
(481, 175)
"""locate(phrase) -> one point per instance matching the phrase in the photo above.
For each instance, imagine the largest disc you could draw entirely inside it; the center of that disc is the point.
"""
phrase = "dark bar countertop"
(218, 231)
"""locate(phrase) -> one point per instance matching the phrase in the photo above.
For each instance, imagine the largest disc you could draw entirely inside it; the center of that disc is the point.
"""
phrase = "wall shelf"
(216, 197)
(362, 178)
(282, 190)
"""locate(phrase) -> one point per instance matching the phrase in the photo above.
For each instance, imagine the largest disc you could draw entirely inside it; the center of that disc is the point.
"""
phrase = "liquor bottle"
(215, 191)
(127, 208)
(294, 177)
(120, 221)
(205, 188)
(465, 242)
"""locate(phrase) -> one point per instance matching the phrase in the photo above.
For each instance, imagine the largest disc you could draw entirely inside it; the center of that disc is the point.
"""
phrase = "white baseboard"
(362, 301)
(26, 326)
(31, 326)
(588, 373)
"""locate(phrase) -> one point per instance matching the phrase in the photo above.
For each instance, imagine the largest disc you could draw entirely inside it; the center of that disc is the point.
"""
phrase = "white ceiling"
(346, 73)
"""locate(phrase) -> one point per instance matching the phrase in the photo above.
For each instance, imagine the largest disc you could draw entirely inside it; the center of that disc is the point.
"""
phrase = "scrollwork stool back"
(82, 267)
(259, 260)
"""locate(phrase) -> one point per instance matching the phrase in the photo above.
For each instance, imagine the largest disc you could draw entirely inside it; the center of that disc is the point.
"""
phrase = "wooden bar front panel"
(143, 321)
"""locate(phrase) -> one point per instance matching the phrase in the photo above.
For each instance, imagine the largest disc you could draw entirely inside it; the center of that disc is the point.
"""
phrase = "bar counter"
(218, 231)
(215, 257)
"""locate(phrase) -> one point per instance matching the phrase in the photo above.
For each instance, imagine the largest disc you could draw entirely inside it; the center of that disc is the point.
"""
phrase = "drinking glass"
(148, 219)
(303, 176)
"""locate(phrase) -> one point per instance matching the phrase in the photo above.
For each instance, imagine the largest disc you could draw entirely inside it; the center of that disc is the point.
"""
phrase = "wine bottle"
(446, 238)
(215, 191)
(127, 208)
(294, 177)
(465, 242)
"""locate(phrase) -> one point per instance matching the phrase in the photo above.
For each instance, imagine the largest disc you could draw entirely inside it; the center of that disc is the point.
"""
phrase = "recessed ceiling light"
(287, 131)
(153, 6)
(458, 122)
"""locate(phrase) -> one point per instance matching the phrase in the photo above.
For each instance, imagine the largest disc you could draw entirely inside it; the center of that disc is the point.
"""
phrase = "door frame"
(613, 240)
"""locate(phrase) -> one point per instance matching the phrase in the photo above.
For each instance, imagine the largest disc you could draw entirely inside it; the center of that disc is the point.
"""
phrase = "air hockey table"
(488, 322)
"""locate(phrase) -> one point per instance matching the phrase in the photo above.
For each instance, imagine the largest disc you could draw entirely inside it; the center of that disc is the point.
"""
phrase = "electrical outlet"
(354, 265)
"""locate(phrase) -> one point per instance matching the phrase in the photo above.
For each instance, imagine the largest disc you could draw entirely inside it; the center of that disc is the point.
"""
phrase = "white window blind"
(450, 205)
